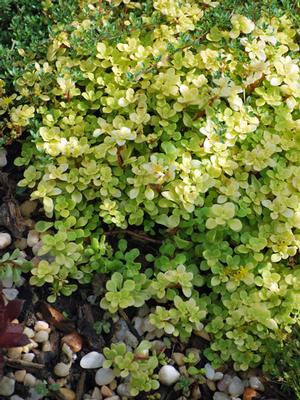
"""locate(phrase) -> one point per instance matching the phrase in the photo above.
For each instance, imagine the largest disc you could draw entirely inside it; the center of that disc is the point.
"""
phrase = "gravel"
(92, 360)
(104, 376)
(5, 240)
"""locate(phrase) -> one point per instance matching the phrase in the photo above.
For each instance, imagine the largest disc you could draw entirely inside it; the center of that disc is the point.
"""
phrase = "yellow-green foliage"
(163, 128)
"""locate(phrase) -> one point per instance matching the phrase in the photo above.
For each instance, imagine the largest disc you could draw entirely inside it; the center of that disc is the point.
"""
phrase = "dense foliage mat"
(178, 123)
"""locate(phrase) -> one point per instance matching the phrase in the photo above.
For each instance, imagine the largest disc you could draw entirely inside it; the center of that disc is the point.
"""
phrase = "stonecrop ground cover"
(154, 124)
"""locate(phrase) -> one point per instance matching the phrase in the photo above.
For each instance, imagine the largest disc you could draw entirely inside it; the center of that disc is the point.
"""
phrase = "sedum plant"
(138, 369)
(143, 121)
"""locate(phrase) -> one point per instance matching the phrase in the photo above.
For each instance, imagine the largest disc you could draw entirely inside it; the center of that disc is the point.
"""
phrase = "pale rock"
(209, 371)
(28, 332)
(41, 336)
(224, 383)
(3, 159)
(92, 360)
(236, 387)
(20, 375)
(123, 390)
(10, 293)
(46, 346)
(62, 369)
(28, 357)
(138, 325)
(220, 396)
(96, 394)
(168, 375)
(106, 391)
(28, 207)
(218, 376)
(33, 238)
(29, 380)
(255, 383)
(179, 358)
(68, 394)
(7, 386)
(104, 376)
(16, 397)
(66, 349)
(5, 240)
(211, 385)
(15, 352)
(113, 385)
(41, 326)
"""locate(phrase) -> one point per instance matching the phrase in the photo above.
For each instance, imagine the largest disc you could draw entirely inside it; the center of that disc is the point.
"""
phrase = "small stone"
(28, 332)
(113, 385)
(92, 360)
(236, 387)
(41, 336)
(7, 386)
(20, 375)
(249, 394)
(74, 341)
(29, 380)
(220, 396)
(218, 376)
(196, 393)
(96, 395)
(3, 159)
(138, 325)
(16, 397)
(41, 326)
(10, 294)
(113, 398)
(131, 340)
(209, 371)
(28, 357)
(168, 375)
(20, 244)
(211, 385)
(123, 390)
(5, 240)
(67, 351)
(33, 238)
(15, 352)
(28, 207)
(36, 248)
(46, 346)
(147, 326)
(104, 376)
(224, 383)
(68, 394)
(255, 383)
(178, 358)
(202, 333)
(106, 391)
(62, 369)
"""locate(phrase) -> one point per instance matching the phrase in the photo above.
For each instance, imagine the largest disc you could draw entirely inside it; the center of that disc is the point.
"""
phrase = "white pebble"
(33, 238)
(20, 375)
(3, 159)
(16, 397)
(41, 336)
(28, 332)
(15, 352)
(255, 383)
(236, 387)
(67, 351)
(62, 369)
(123, 390)
(5, 240)
(104, 376)
(10, 294)
(168, 375)
(29, 380)
(220, 396)
(209, 371)
(7, 386)
(41, 326)
(46, 346)
(92, 360)
(218, 376)
(96, 395)
(28, 357)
